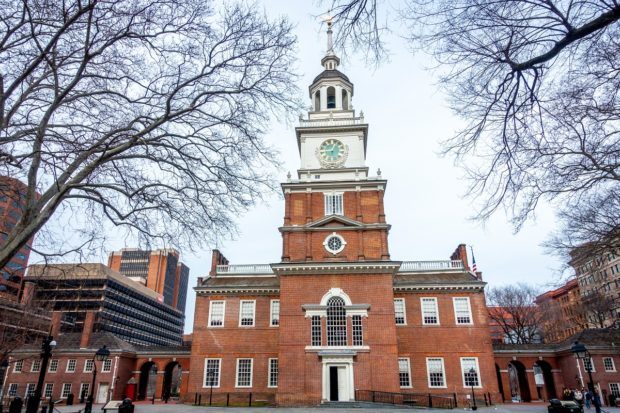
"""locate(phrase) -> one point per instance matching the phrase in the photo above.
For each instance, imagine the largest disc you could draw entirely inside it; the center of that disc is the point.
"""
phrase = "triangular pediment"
(334, 221)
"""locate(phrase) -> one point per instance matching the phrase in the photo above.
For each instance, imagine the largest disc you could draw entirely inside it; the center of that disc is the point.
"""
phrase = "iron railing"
(407, 399)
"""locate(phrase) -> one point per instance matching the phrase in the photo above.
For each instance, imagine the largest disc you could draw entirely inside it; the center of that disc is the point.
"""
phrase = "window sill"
(312, 349)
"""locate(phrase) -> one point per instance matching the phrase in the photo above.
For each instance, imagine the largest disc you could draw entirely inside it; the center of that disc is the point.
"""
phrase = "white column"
(323, 97)
(339, 97)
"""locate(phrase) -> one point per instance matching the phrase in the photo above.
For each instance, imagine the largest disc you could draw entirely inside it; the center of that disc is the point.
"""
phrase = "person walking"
(588, 397)
(596, 401)
(578, 397)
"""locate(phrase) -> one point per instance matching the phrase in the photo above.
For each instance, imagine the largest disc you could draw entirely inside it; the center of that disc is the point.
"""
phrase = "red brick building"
(337, 317)
(563, 315)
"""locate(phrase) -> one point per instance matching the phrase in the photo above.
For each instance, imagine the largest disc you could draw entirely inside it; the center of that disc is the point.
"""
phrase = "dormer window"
(331, 97)
(334, 204)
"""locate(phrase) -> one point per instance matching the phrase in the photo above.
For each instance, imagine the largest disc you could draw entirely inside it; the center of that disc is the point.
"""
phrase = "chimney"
(217, 258)
(460, 253)
(87, 329)
(27, 292)
(56, 321)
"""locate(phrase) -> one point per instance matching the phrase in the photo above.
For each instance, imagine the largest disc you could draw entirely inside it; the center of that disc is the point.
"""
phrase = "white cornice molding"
(320, 186)
(236, 290)
(305, 228)
(360, 267)
(478, 287)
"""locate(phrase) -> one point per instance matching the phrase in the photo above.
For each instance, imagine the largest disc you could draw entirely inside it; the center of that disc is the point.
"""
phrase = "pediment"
(334, 221)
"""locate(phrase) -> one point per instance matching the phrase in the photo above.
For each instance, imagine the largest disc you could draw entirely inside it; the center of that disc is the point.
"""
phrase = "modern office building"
(121, 306)
(160, 270)
(12, 192)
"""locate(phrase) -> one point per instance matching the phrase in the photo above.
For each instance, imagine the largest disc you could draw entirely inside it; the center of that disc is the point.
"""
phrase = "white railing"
(243, 269)
(303, 123)
(422, 266)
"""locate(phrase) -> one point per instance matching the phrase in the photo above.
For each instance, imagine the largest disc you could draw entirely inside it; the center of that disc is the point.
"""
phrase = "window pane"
(399, 310)
(403, 372)
(429, 311)
(470, 378)
(462, 310)
(336, 322)
(356, 323)
(273, 372)
(275, 312)
(435, 372)
(244, 372)
(246, 313)
(316, 330)
(212, 373)
(216, 315)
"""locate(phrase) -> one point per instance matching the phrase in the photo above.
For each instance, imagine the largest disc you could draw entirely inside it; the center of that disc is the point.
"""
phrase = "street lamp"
(472, 375)
(581, 352)
(101, 355)
(3, 367)
(46, 352)
(211, 378)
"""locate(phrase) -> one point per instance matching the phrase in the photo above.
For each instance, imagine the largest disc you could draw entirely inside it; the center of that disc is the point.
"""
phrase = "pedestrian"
(566, 394)
(588, 398)
(578, 397)
(596, 401)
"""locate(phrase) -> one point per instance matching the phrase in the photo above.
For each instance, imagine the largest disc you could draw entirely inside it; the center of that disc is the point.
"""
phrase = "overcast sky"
(408, 116)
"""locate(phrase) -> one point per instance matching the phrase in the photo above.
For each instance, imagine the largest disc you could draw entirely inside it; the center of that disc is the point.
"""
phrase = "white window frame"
(401, 300)
(82, 386)
(64, 394)
(55, 365)
(223, 302)
(107, 362)
(434, 299)
(593, 369)
(613, 364)
(617, 385)
(12, 390)
(71, 362)
(237, 373)
(271, 313)
(35, 367)
(270, 372)
(91, 363)
(253, 302)
(443, 372)
(219, 373)
(456, 315)
(334, 207)
(30, 389)
(18, 366)
(408, 372)
(476, 367)
(49, 394)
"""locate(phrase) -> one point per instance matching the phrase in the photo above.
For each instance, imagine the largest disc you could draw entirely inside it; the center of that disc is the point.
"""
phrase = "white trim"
(613, 365)
(74, 366)
(343, 243)
(434, 299)
(38, 363)
(103, 369)
(340, 204)
(477, 368)
(29, 386)
(617, 385)
(443, 373)
(271, 313)
(62, 390)
(471, 318)
(408, 372)
(251, 373)
(253, 302)
(404, 323)
(269, 371)
(49, 368)
(211, 311)
(593, 368)
(19, 363)
(219, 374)
(51, 393)
(86, 364)
(336, 292)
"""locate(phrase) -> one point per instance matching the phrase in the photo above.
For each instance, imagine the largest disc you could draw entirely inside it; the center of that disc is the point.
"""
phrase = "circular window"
(334, 243)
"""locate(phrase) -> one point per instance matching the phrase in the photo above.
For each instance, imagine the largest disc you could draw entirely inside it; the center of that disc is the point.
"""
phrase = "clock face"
(332, 152)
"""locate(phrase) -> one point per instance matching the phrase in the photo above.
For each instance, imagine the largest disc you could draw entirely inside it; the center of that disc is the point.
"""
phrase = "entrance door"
(102, 394)
(333, 383)
(342, 384)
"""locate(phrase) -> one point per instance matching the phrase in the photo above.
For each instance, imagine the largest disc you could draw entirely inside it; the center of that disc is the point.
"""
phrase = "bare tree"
(597, 310)
(148, 114)
(538, 85)
(512, 309)
(21, 324)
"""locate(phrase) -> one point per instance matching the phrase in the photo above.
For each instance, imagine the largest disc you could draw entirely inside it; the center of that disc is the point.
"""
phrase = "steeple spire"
(330, 61)
(330, 41)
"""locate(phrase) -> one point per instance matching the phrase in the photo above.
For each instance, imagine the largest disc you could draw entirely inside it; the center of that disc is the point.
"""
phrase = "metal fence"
(409, 399)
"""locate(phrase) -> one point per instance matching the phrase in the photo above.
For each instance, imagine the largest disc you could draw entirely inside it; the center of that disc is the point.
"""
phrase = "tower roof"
(330, 74)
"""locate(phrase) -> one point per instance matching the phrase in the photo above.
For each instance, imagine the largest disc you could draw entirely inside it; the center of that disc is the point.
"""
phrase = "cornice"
(358, 267)
(379, 184)
(477, 287)
(306, 228)
(235, 290)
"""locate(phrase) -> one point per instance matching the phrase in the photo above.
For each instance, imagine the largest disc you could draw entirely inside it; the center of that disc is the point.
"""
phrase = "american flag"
(474, 267)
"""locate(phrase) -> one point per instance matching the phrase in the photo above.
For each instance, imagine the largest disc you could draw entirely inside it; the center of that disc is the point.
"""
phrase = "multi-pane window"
(107, 366)
(246, 313)
(588, 364)
(462, 310)
(35, 366)
(212, 373)
(334, 204)
(356, 327)
(336, 322)
(469, 367)
(273, 373)
(49, 388)
(399, 311)
(216, 313)
(404, 372)
(430, 313)
(30, 390)
(17, 367)
(13, 389)
(66, 390)
(88, 366)
(608, 363)
(615, 389)
(84, 390)
(436, 377)
(275, 313)
(244, 373)
(53, 366)
(71, 365)
(316, 330)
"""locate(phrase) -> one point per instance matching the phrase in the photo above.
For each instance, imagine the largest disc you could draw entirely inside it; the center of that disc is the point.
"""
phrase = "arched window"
(345, 100)
(317, 101)
(331, 97)
(336, 322)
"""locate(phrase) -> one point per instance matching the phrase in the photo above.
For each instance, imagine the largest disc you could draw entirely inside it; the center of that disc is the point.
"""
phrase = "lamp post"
(46, 352)
(4, 365)
(101, 355)
(472, 375)
(210, 377)
(581, 352)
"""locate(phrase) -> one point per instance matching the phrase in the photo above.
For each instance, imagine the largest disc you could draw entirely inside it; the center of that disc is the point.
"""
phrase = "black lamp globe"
(102, 354)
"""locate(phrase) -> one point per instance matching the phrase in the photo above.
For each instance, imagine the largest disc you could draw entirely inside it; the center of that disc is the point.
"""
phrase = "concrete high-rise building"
(160, 270)
(12, 193)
